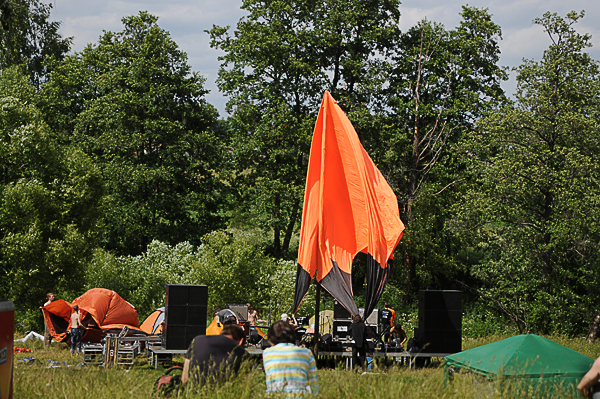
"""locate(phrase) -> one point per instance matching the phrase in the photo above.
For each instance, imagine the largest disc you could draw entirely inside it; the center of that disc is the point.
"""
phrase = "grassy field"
(56, 374)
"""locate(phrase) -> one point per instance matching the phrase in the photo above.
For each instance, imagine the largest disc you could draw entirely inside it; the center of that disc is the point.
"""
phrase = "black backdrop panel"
(185, 314)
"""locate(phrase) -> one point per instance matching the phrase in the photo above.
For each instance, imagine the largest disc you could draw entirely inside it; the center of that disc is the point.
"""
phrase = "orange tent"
(153, 325)
(102, 311)
(348, 208)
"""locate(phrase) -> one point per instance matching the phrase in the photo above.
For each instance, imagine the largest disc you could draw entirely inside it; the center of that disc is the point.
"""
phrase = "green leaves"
(49, 202)
(132, 103)
(537, 192)
(277, 65)
(27, 37)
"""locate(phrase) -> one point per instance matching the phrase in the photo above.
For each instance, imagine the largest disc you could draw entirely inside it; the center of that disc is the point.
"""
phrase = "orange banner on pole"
(348, 208)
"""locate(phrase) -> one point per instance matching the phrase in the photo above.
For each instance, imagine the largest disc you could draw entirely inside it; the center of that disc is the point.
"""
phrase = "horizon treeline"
(117, 173)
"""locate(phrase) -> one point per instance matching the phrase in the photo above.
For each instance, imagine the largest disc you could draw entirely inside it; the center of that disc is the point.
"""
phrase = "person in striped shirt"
(289, 369)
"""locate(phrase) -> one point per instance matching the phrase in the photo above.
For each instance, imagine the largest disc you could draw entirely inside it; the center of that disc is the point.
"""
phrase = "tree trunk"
(290, 227)
(591, 336)
(276, 227)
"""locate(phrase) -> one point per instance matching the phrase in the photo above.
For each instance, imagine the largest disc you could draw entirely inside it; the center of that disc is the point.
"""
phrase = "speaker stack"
(185, 314)
(341, 322)
(440, 321)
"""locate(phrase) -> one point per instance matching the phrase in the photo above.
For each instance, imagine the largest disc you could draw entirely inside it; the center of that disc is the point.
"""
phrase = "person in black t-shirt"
(359, 335)
(214, 357)
(388, 316)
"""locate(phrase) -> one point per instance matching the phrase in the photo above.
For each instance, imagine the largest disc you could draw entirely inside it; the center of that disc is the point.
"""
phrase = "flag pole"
(317, 317)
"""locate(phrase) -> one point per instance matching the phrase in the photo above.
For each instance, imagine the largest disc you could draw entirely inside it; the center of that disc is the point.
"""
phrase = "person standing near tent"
(253, 316)
(47, 337)
(388, 316)
(359, 351)
(214, 357)
(289, 369)
(75, 332)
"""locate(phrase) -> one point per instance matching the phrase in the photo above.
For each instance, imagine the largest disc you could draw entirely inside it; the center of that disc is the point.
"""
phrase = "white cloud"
(186, 20)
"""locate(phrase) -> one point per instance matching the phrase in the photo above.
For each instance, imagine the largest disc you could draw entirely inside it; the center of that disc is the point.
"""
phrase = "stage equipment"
(371, 321)
(341, 329)
(340, 312)
(240, 310)
(253, 336)
(440, 321)
(185, 314)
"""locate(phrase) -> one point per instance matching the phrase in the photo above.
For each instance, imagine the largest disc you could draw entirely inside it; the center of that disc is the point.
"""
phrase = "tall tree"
(50, 203)
(27, 36)
(133, 104)
(437, 85)
(535, 205)
(276, 67)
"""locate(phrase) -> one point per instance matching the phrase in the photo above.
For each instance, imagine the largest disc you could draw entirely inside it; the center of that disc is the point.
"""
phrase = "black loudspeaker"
(340, 312)
(185, 314)
(440, 321)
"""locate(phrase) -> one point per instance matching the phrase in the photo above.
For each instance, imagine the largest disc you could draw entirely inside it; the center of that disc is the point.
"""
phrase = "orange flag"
(348, 208)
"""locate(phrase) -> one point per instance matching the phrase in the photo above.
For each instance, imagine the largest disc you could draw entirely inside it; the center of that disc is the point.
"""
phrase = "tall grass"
(68, 380)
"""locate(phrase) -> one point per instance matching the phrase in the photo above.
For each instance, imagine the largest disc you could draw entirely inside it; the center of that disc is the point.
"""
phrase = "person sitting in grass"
(214, 357)
(289, 369)
(586, 385)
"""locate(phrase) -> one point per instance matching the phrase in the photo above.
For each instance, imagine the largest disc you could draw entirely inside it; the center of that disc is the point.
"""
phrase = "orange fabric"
(21, 350)
(148, 324)
(107, 307)
(213, 328)
(348, 205)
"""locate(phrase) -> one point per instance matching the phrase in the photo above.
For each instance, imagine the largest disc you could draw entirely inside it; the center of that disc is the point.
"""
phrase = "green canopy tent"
(526, 362)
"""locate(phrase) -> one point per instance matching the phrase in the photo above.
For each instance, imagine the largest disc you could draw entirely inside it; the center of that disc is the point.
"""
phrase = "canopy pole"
(317, 317)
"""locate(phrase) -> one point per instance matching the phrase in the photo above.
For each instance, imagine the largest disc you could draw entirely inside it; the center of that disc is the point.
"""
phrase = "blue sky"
(187, 20)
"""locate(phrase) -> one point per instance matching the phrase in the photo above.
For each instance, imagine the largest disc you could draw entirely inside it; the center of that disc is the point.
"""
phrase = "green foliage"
(232, 263)
(437, 83)
(49, 205)
(480, 320)
(534, 205)
(132, 103)
(141, 279)
(276, 67)
(27, 37)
